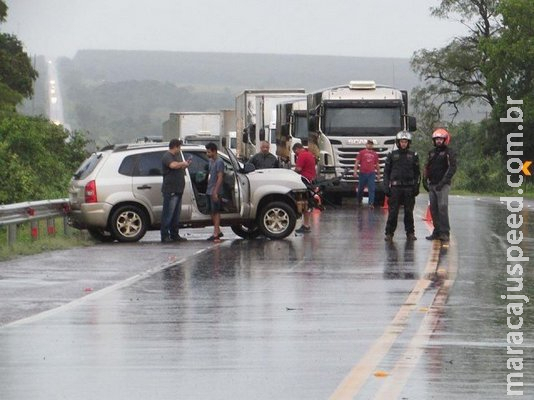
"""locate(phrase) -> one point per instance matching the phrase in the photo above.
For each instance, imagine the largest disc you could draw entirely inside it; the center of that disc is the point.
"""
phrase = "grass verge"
(25, 244)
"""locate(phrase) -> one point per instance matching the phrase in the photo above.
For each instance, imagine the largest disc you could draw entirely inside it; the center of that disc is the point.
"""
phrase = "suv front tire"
(277, 220)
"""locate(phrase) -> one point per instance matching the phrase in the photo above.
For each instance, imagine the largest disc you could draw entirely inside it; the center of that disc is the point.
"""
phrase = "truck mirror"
(312, 123)
(412, 124)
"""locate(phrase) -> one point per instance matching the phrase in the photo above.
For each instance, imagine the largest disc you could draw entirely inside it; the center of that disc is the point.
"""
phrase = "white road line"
(99, 293)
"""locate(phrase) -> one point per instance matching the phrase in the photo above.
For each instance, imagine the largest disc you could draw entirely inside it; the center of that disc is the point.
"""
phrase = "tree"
(453, 74)
(493, 62)
(37, 158)
(510, 69)
(17, 74)
(3, 11)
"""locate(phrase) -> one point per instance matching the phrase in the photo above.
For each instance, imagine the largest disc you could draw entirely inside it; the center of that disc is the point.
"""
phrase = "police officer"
(439, 170)
(401, 184)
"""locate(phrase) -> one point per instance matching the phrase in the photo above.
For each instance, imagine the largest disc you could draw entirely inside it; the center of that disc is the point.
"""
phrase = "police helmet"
(403, 135)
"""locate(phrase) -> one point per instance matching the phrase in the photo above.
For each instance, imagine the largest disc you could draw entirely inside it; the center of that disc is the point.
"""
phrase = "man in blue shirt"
(215, 189)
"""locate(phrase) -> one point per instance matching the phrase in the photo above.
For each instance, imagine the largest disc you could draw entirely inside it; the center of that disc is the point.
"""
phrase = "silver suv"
(116, 194)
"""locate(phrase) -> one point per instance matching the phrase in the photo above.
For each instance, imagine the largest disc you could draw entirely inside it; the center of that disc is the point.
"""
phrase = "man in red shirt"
(305, 165)
(367, 160)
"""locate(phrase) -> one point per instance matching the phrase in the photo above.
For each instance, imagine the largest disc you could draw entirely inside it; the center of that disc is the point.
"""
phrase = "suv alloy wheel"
(128, 223)
(277, 220)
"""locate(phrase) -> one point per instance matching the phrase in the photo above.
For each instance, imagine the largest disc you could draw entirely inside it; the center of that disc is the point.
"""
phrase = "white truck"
(193, 127)
(341, 120)
(228, 133)
(255, 117)
(291, 127)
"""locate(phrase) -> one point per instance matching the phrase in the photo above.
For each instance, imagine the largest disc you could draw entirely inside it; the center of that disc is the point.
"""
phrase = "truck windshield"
(363, 121)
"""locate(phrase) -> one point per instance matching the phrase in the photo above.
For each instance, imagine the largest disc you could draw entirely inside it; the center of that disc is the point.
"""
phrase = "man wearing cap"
(367, 160)
(173, 168)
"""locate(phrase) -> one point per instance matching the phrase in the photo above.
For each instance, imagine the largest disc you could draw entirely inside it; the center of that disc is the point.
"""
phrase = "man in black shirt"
(264, 159)
(173, 168)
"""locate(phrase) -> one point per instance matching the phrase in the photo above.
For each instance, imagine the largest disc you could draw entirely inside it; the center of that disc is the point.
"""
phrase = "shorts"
(214, 207)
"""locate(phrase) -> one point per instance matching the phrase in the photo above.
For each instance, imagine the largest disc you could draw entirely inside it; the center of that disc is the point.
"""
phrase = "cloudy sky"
(369, 28)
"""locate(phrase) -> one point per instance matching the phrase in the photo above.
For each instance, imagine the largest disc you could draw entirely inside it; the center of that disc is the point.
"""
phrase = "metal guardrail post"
(51, 226)
(65, 226)
(11, 234)
(34, 224)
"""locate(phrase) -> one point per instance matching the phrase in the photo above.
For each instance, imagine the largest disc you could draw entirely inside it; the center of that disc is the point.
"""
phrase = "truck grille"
(347, 155)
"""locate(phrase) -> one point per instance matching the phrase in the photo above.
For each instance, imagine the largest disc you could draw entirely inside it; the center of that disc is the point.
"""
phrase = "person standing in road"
(172, 189)
(367, 160)
(401, 183)
(305, 166)
(264, 159)
(215, 189)
(439, 170)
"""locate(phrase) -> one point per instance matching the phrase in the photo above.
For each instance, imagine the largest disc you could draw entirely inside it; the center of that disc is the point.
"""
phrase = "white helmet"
(403, 135)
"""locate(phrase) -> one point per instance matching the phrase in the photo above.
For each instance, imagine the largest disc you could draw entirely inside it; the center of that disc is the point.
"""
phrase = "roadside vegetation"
(492, 63)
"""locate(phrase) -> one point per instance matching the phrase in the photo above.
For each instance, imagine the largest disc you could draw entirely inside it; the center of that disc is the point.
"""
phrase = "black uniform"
(401, 183)
(439, 170)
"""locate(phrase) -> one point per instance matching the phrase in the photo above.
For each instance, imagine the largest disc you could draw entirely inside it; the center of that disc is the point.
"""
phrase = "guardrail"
(12, 215)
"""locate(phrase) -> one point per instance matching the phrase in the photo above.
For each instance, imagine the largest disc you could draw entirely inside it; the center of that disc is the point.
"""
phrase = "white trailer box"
(255, 117)
(183, 124)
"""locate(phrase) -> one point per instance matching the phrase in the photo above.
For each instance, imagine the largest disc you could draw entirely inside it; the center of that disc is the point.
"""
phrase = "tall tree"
(452, 75)
(493, 61)
(510, 69)
(3, 11)
(17, 74)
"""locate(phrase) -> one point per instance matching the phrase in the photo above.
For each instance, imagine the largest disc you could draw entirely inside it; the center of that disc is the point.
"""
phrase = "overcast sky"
(369, 28)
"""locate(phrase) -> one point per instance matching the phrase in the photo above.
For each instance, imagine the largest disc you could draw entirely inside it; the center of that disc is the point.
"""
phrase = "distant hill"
(122, 95)
(241, 70)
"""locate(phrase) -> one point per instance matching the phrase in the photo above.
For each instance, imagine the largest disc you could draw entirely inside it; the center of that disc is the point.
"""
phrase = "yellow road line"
(399, 375)
(359, 374)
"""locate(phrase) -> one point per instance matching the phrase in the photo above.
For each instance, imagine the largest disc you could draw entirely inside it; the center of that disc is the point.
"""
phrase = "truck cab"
(341, 120)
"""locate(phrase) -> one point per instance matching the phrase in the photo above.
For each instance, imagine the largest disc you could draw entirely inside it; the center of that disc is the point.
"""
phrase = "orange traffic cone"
(428, 215)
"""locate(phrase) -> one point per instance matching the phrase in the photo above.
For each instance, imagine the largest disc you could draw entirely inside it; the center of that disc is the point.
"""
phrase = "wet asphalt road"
(337, 313)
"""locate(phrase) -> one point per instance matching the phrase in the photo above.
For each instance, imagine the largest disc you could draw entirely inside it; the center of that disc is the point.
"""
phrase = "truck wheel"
(101, 235)
(277, 220)
(128, 223)
(246, 232)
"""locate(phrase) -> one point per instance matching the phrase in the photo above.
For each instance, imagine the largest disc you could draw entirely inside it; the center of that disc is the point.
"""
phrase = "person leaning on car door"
(173, 169)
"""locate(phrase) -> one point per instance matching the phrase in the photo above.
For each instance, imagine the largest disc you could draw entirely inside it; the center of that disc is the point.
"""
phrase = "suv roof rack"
(131, 146)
